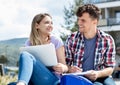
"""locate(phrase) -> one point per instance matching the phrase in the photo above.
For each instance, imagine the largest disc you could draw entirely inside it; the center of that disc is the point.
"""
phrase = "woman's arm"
(60, 52)
(61, 67)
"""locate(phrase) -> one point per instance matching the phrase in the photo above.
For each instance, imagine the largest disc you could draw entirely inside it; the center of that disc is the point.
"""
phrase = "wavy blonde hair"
(35, 35)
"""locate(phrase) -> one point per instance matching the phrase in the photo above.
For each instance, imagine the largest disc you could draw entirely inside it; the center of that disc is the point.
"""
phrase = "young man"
(90, 49)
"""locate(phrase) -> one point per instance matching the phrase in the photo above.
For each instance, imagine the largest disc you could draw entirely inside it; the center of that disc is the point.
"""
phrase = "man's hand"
(92, 75)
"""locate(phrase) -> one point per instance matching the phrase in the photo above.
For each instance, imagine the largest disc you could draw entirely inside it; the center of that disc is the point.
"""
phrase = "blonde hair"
(34, 35)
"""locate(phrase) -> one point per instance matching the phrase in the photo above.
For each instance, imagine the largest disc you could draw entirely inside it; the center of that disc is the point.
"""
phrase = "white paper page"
(77, 73)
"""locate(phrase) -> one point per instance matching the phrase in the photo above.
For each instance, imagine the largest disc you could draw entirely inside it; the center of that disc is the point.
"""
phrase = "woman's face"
(45, 26)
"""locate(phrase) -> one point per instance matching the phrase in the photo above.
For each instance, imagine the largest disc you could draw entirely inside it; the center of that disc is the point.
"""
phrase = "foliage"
(69, 15)
(4, 80)
(3, 59)
(64, 37)
(10, 50)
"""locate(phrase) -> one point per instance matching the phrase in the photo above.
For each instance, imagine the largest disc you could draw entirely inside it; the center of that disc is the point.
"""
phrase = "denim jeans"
(32, 70)
(104, 81)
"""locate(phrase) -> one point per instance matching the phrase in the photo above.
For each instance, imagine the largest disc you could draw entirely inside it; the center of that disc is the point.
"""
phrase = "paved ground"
(117, 81)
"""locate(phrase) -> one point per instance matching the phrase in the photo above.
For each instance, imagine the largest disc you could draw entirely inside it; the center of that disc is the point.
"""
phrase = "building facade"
(110, 17)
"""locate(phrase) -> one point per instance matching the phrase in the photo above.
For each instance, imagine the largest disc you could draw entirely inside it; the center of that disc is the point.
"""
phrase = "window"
(118, 17)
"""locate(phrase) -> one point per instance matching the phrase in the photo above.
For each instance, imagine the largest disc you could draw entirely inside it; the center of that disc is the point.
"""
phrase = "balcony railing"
(98, 1)
(109, 22)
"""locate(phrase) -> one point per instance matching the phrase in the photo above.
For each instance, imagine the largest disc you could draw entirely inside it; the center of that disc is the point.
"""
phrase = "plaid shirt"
(104, 51)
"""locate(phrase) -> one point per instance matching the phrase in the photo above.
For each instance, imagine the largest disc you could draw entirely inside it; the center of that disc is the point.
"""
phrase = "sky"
(16, 16)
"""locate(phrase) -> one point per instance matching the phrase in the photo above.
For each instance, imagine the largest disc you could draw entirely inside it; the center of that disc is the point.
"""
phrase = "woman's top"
(53, 39)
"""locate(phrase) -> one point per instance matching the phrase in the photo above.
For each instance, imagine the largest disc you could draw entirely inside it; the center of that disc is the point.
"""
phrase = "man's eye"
(83, 20)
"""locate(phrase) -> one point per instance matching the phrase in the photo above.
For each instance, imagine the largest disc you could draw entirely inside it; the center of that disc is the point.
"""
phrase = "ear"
(95, 21)
(36, 25)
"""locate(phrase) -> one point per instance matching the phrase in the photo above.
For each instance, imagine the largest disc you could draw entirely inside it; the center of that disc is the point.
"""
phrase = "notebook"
(78, 73)
(45, 53)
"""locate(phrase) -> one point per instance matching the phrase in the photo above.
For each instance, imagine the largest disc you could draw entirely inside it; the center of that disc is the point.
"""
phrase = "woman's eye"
(47, 22)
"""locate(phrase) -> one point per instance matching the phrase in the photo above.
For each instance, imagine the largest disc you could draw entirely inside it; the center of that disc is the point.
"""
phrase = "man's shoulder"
(74, 34)
(105, 35)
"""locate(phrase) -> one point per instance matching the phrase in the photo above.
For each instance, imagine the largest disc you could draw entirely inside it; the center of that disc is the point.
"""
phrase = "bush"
(4, 80)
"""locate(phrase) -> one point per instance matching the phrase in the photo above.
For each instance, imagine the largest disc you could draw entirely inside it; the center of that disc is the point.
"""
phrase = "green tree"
(69, 15)
(3, 59)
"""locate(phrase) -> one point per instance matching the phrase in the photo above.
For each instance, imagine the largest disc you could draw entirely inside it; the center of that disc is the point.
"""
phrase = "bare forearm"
(105, 72)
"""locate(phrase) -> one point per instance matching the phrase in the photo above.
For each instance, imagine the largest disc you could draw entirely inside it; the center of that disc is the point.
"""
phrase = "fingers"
(59, 68)
(74, 69)
(92, 75)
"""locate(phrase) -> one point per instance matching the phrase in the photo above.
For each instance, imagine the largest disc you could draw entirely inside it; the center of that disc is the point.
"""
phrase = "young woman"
(31, 70)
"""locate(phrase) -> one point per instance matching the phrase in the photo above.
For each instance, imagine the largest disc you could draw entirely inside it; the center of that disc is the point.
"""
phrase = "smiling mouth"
(80, 26)
(49, 29)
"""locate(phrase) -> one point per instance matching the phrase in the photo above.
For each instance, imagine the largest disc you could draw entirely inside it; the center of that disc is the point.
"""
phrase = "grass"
(4, 80)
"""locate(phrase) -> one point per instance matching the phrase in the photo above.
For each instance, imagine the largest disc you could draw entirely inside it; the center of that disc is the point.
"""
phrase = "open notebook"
(46, 53)
(78, 73)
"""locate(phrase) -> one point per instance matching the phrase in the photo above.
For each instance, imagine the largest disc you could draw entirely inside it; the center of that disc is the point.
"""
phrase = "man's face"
(86, 23)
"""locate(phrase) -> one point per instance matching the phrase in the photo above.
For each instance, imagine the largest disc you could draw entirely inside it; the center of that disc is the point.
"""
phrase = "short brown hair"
(91, 9)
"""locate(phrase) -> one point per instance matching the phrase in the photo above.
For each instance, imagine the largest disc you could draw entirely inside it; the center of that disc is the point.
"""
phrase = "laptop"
(45, 53)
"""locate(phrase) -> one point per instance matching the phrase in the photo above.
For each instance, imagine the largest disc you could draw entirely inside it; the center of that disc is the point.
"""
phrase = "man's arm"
(105, 72)
(68, 51)
(93, 75)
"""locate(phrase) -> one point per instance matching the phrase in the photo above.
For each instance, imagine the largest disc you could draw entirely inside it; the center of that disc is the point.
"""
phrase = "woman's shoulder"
(57, 41)
(55, 38)
(27, 42)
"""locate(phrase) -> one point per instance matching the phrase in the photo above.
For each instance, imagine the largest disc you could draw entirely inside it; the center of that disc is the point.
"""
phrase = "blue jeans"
(104, 81)
(32, 70)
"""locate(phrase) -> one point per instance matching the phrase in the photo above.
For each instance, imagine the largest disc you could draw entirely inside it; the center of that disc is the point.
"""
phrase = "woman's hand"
(60, 68)
(73, 69)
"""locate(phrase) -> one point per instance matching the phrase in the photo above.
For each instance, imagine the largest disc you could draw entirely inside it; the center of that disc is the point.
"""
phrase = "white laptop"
(46, 53)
